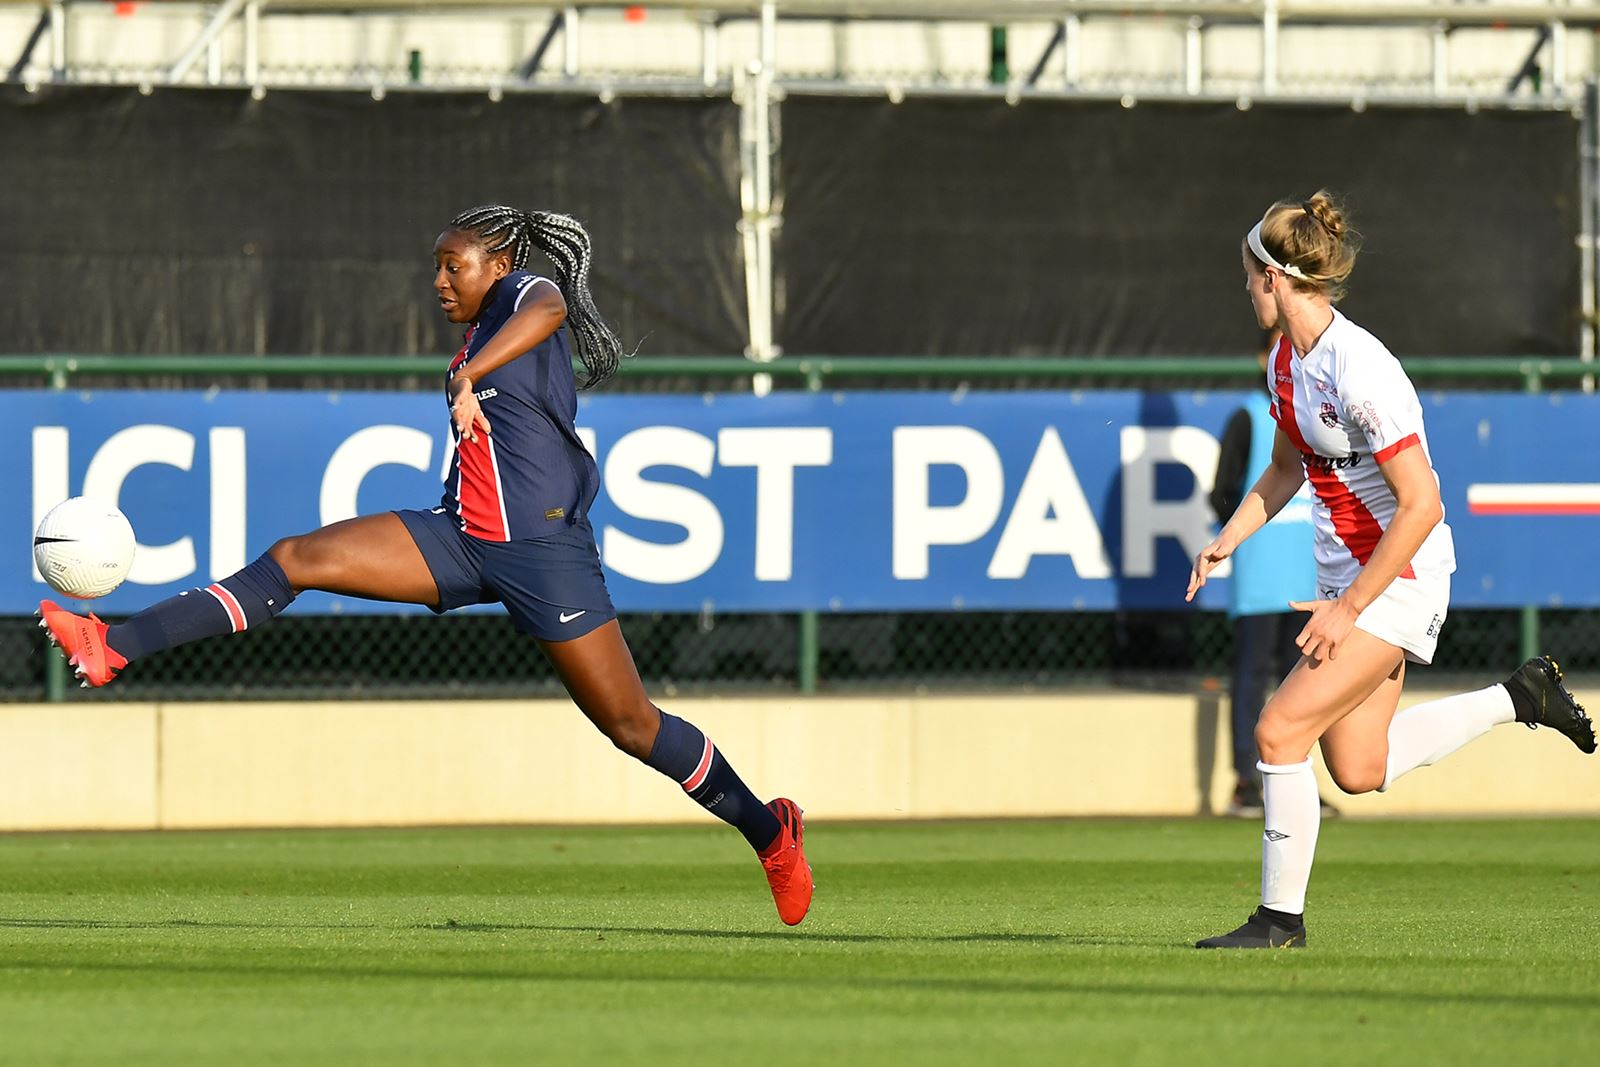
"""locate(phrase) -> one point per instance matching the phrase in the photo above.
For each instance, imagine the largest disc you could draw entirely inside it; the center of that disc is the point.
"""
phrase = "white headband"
(1253, 239)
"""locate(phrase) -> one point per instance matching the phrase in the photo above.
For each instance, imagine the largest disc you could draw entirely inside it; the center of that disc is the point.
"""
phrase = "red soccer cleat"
(784, 860)
(84, 643)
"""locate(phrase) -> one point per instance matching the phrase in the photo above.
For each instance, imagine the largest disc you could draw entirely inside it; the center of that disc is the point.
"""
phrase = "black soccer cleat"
(1259, 931)
(1541, 700)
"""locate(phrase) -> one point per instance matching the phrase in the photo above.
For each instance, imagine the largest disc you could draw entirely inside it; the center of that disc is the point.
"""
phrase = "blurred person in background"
(512, 527)
(1349, 421)
(1271, 569)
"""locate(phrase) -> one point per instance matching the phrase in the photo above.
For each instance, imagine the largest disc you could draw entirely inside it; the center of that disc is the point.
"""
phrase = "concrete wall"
(147, 766)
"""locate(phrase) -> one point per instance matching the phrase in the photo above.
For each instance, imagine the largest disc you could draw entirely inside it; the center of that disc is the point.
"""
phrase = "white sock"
(1294, 814)
(1425, 734)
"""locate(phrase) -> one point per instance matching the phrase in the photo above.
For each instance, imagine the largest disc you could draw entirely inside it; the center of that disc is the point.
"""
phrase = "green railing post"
(1530, 631)
(55, 676)
(999, 67)
(806, 676)
(1532, 377)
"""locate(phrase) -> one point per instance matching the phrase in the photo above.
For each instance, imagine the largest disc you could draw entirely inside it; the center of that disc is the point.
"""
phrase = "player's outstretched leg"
(599, 673)
(98, 652)
(1541, 700)
(373, 557)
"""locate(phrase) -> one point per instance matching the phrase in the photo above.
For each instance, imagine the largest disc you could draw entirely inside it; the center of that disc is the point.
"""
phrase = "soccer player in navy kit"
(512, 528)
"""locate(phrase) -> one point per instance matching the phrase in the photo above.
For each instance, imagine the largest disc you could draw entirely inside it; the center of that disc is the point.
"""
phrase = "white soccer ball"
(84, 548)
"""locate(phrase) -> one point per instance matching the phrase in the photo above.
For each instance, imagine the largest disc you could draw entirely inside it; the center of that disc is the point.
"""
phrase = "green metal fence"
(410, 656)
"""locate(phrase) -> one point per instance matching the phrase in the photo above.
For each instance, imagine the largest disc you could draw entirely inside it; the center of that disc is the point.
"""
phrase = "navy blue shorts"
(551, 586)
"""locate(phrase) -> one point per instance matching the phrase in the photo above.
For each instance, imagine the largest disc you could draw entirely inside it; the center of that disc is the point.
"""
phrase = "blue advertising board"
(853, 501)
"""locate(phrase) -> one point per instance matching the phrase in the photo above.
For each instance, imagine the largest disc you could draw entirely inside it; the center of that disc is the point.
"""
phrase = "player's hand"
(1205, 563)
(1330, 623)
(467, 414)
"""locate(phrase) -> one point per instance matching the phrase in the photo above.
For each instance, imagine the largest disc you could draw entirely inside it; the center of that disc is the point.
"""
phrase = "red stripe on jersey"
(478, 491)
(1283, 390)
(466, 342)
(1351, 520)
(1395, 449)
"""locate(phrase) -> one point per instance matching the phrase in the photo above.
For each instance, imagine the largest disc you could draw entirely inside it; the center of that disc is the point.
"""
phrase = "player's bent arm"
(1276, 486)
(1418, 510)
(542, 312)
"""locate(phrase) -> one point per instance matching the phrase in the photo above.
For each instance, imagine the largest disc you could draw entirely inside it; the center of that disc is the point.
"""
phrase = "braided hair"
(517, 233)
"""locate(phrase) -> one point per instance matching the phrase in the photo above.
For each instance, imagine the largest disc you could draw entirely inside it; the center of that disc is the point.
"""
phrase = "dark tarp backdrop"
(968, 227)
(204, 221)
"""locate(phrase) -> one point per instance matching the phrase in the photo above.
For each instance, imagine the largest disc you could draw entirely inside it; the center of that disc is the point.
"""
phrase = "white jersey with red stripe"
(1348, 406)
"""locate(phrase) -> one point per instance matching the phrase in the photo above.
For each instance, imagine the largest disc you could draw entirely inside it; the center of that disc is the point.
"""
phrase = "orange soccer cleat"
(84, 643)
(784, 860)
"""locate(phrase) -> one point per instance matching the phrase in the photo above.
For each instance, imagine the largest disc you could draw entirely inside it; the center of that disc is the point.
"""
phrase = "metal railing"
(1532, 373)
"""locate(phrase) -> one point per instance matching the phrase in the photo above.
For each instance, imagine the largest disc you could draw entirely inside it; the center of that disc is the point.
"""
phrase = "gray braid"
(564, 240)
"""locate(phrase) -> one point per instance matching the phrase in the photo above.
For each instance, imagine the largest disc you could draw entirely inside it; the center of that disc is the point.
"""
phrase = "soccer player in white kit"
(1350, 422)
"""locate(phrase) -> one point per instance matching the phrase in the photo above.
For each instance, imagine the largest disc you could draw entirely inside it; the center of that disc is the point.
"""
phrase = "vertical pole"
(806, 676)
(569, 42)
(769, 37)
(1269, 47)
(1558, 60)
(414, 66)
(58, 40)
(214, 62)
(252, 43)
(55, 675)
(1193, 57)
(755, 191)
(708, 51)
(1441, 58)
(999, 69)
(1588, 202)
(1072, 51)
(1530, 631)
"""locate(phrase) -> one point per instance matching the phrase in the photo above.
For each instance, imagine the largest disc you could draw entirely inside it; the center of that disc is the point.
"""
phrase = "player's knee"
(1278, 746)
(1356, 779)
(633, 730)
(298, 559)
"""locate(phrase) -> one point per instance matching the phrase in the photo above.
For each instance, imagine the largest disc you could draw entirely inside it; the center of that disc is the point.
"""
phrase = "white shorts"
(1408, 615)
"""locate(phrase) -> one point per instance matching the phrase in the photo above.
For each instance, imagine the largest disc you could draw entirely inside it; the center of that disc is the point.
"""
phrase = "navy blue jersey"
(530, 476)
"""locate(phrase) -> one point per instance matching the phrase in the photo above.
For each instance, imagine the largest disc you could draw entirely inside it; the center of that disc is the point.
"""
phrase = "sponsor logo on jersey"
(486, 394)
(1329, 464)
(1329, 415)
(1433, 627)
(1366, 417)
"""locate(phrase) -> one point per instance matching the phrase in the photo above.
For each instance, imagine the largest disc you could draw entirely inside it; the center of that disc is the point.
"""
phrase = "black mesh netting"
(419, 656)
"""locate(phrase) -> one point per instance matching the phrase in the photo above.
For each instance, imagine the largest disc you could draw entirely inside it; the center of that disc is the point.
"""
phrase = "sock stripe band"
(230, 604)
(703, 768)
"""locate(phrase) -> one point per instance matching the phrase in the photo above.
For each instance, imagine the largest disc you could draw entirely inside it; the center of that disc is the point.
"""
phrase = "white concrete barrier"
(149, 766)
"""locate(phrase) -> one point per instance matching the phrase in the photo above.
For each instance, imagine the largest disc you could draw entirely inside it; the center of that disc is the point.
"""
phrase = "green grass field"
(1448, 942)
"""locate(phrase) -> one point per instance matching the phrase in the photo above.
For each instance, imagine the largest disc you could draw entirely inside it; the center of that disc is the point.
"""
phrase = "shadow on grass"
(775, 935)
(1269, 993)
(171, 924)
(453, 925)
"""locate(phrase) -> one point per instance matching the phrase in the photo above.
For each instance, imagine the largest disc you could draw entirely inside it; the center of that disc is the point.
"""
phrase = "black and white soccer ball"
(84, 548)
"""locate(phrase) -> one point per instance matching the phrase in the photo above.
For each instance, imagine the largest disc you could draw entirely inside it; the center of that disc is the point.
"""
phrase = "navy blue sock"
(233, 605)
(688, 757)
